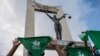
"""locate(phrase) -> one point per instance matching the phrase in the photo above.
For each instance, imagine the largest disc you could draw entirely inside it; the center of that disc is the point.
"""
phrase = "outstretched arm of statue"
(15, 46)
(62, 16)
(49, 16)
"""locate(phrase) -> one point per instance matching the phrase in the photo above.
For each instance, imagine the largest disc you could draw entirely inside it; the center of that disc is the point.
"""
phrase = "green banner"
(79, 51)
(35, 45)
(84, 36)
(94, 35)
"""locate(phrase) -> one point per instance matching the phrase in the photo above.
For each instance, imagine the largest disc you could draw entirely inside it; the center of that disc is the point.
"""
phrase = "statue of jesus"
(57, 25)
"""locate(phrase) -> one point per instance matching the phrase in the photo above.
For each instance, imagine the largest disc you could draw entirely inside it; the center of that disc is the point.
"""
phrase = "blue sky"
(85, 16)
(92, 19)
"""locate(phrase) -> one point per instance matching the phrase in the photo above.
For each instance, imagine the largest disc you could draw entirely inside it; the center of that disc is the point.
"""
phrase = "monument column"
(30, 23)
(32, 6)
(30, 20)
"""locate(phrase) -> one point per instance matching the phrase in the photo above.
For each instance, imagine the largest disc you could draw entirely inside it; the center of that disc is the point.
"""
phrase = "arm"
(15, 46)
(57, 47)
(62, 16)
(49, 16)
(59, 50)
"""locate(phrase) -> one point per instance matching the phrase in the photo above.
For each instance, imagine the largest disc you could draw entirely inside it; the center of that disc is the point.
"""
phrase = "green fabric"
(83, 37)
(94, 35)
(35, 45)
(79, 51)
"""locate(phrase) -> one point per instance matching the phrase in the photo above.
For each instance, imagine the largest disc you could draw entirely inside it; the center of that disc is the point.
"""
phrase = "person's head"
(43, 54)
(31, 54)
(94, 47)
(70, 43)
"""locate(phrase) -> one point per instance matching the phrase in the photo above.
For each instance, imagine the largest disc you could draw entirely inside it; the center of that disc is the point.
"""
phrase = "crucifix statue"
(57, 25)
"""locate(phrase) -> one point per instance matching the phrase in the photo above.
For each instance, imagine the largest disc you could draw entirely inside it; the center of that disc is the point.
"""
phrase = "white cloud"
(10, 26)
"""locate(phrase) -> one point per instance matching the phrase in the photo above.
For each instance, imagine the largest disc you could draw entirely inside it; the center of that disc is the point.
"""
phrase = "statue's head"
(54, 16)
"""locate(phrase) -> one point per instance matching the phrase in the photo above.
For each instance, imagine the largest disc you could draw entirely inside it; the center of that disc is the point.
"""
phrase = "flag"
(84, 36)
(94, 36)
(78, 51)
(35, 45)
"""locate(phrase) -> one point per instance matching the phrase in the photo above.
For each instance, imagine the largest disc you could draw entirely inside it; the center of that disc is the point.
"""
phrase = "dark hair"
(70, 43)
(31, 54)
(43, 54)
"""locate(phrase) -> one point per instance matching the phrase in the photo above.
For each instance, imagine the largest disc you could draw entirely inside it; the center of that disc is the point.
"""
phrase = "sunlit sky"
(85, 16)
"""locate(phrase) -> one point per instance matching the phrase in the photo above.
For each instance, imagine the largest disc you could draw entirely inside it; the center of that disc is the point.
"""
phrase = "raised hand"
(65, 14)
(68, 16)
(16, 42)
(53, 42)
